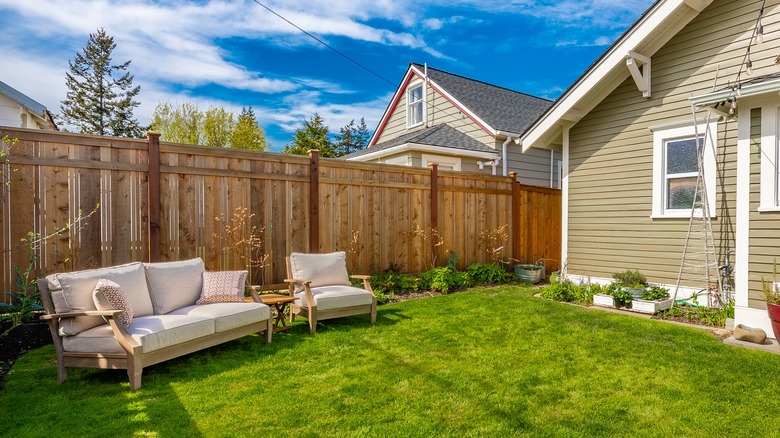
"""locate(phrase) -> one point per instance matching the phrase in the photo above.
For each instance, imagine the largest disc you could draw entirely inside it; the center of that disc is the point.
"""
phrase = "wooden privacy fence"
(158, 201)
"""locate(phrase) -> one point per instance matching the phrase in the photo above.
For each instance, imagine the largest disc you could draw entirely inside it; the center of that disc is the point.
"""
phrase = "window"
(676, 169)
(414, 106)
(768, 137)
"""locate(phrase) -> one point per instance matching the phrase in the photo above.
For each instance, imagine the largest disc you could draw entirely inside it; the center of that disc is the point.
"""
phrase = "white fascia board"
(441, 150)
(612, 61)
(390, 106)
(750, 90)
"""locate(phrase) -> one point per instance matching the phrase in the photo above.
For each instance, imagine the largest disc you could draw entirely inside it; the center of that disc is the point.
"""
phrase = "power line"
(326, 44)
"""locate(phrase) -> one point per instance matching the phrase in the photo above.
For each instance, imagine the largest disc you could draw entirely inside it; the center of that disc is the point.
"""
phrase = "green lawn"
(486, 362)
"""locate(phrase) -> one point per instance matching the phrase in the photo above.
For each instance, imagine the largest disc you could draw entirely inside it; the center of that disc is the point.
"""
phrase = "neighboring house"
(627, 131)
(460, 124)
(19, 111)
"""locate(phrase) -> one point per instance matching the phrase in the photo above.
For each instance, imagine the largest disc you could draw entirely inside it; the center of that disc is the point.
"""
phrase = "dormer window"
(414, 106)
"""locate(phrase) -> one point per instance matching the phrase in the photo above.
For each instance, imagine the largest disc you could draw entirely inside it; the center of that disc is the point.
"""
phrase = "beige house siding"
(439, 111)
(532, 167)
(611, 154)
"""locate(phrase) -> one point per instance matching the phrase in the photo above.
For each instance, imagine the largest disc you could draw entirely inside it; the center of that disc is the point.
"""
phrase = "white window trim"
(442, 161)
(412, 86)
(769, 155)
(662, 134)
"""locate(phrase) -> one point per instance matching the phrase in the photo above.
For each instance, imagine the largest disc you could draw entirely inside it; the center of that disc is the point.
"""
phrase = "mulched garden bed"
(19, 340)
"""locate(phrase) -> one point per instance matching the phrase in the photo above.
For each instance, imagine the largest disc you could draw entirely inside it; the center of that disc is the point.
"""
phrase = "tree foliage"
(313, 135)
(352, 138)
(247, 134)
(100, 94)
(216, 126)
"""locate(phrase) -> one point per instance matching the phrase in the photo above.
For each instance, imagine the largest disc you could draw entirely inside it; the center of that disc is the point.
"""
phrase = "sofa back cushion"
(72, 292)
(173, 285)
(321, 269)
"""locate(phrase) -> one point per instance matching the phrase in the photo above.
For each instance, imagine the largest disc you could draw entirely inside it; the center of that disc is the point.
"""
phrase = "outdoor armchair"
(323, 290)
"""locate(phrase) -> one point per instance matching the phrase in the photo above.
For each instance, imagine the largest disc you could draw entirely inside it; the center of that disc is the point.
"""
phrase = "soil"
(19, 340)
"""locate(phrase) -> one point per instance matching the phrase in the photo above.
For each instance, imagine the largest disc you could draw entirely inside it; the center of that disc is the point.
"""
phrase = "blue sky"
(235, 53)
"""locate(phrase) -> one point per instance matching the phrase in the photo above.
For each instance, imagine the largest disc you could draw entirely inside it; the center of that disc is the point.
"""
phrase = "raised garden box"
(645, 306)
(604, 300)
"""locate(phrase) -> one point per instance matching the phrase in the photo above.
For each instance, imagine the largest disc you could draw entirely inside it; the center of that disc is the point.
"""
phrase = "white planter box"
(645, 306)
(603, 300)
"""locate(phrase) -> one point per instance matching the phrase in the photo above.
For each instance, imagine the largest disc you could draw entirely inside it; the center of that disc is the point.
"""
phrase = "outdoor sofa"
(88, 314)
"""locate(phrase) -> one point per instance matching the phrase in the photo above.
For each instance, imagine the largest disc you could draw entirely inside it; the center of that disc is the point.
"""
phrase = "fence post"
(515, 216)
(314, 201)
(153, 204)
(434, 196)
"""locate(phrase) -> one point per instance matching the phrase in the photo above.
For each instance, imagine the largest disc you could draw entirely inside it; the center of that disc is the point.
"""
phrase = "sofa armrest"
(105, 313)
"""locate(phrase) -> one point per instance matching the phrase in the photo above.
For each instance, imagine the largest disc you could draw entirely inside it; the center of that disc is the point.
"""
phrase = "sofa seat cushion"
(336, 297)
(228, 316)
(72, 292)
(152, 332)
(173, 285)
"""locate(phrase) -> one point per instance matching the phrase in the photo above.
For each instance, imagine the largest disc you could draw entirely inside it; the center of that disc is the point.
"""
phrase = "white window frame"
(770, 153)
(453, 162)
(663, 134)
(409, 103)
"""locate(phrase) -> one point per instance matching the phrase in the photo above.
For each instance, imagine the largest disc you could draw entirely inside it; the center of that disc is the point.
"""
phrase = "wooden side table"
(280, 304)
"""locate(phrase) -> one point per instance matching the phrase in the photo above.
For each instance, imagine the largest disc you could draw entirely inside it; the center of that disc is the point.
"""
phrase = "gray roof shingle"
(442, 135)
(503, 109)
(22, 99)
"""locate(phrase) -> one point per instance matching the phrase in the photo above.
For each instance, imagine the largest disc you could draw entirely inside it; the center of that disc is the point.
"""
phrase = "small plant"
(493, 242)
(242, 244)
(620, 295)
(569, 292)
(769, 289)
(355, 248)
(444, 280)
(489, 273)
(655, 293)
(629, 278)
(426, 243)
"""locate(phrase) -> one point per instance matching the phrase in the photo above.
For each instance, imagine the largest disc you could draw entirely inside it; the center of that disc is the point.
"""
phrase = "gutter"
(509, 137)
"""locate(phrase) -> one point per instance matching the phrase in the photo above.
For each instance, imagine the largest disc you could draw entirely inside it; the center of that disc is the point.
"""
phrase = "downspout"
(503, 154)
(552, 164)
(425, 94)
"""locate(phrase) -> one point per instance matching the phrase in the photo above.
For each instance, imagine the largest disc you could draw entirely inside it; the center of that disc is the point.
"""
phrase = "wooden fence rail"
(160, 201)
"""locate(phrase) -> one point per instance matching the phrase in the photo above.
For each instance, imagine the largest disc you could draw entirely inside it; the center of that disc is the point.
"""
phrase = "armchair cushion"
(110, 296)
(321, 269)
(336, 297)
(173, 285)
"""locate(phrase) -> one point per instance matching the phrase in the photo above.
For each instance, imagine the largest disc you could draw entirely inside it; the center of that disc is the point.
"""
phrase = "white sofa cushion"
(228, 316)
(152, 332)
(173, 285)
(320, 269)
(72, 292)
(336, 297)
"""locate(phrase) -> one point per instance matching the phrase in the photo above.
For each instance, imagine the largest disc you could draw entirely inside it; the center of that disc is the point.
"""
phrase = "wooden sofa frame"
(312, 314)
(133, 360)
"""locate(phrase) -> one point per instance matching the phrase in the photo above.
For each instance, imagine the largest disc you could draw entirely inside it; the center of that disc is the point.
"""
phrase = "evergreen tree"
(100, 94)
(313, 135)
(352, 138)
(247, 134)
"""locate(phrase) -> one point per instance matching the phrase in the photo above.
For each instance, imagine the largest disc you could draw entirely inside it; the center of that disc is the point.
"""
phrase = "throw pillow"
(223, 287)
(110, 296)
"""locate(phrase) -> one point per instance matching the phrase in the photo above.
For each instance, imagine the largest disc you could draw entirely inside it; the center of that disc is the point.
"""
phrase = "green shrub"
(569, 292)
(629, 278)
(391, 282)
(444, 280)
(619, 294)
(489, 273)
(655, 293)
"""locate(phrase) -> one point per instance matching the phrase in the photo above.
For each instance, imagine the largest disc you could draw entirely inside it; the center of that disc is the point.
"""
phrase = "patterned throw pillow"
(109, 296)
(223, 287)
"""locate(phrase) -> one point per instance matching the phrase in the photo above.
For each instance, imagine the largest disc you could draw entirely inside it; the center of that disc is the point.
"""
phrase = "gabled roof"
(443, 137)
(659, 24)
(495, 109)
(23, 100)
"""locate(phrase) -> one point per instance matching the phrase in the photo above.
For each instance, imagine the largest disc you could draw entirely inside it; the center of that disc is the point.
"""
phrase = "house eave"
(441, 150)
(651, 32)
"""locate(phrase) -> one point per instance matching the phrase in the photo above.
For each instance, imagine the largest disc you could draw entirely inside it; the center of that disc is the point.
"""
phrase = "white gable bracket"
(642, 78)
